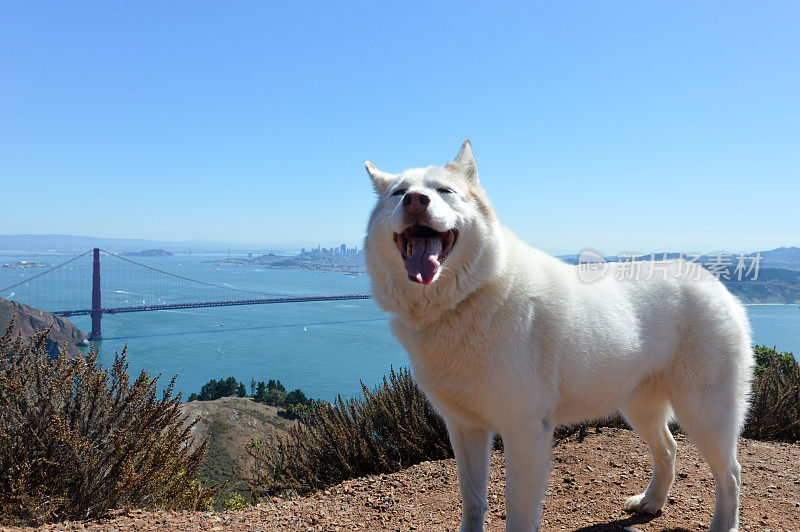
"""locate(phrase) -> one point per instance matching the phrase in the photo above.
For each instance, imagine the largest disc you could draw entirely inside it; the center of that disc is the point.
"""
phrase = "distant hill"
(71, 243)
(787, 258)
(148, 253)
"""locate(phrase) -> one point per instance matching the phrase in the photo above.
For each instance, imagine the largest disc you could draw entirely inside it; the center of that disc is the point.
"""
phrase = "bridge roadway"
(146, 308)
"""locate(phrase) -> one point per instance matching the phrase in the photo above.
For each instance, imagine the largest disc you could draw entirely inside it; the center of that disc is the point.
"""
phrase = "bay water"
(324, 348)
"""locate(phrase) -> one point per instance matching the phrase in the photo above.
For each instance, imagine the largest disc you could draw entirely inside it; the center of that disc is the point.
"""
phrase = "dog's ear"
(465, 162)
(381, 181)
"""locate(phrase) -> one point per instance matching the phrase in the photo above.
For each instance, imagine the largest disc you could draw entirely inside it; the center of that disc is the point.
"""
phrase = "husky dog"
(505, 339)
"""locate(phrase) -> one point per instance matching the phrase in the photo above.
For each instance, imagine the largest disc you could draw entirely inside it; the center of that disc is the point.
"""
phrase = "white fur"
(509, 340)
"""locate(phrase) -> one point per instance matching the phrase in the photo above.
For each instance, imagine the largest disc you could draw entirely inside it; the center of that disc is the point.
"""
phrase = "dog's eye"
(443, 190)
(399, 192)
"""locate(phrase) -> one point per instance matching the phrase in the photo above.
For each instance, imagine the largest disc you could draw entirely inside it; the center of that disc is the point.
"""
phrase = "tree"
(276, 385)
(228, 388)
(296, 397)
(276, 397)
(261, 392)
(241, 391)
(214, 389)
(208, 390)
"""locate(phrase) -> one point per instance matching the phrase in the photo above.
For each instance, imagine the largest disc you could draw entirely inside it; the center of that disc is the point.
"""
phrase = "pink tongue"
(424, 260)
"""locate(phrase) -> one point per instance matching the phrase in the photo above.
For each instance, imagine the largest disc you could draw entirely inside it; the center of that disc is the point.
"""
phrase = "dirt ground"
(589, 482)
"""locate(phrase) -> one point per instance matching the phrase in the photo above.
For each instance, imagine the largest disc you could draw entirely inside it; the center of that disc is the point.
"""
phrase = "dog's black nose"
(416, 202)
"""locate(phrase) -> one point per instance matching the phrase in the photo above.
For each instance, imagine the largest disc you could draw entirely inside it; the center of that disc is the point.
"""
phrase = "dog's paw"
(643, 504)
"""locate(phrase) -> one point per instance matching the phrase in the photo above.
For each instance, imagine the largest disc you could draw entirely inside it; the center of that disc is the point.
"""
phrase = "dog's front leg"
(528, 451)
(471, 447)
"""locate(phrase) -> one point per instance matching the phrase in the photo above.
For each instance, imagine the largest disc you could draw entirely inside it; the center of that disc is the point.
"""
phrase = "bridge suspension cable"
(29, 279)
(113, 284)
(188, 279)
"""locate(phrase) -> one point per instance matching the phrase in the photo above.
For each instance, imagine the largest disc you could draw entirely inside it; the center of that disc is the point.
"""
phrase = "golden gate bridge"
(98, 282)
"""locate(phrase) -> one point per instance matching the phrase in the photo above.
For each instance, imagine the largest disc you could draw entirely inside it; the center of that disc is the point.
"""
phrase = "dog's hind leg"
(647, 411)
(710, 417)
(471, 449)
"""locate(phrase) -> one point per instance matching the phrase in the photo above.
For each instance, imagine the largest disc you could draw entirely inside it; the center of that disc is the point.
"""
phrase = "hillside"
(773, 285)
(589, 482)
(786, 257)
(28, 320)
(229, 424)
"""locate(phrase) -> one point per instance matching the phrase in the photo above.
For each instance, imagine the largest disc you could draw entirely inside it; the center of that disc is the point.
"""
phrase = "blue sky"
(618, 126)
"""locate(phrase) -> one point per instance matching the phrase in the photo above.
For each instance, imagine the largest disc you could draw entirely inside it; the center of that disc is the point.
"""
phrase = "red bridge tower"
(97, 309)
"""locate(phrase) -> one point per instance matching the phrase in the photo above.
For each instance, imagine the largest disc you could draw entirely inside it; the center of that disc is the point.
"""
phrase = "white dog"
(505, 339)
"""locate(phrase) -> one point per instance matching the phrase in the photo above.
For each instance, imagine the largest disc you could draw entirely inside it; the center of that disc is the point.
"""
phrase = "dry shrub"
(392, 427)
(775, 402)
(78, 439)
(615, 421)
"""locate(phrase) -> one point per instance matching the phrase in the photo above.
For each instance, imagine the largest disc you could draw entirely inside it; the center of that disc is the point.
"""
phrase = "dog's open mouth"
(424, 249)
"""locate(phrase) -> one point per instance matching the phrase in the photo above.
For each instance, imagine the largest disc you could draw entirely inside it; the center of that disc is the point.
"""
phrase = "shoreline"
(771, 304)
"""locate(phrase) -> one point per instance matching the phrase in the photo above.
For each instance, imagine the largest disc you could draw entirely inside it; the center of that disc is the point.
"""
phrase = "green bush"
(768, 357)
(79, 439)
(194, 497)
(775, 402)
(392, 427)
(234, 501)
